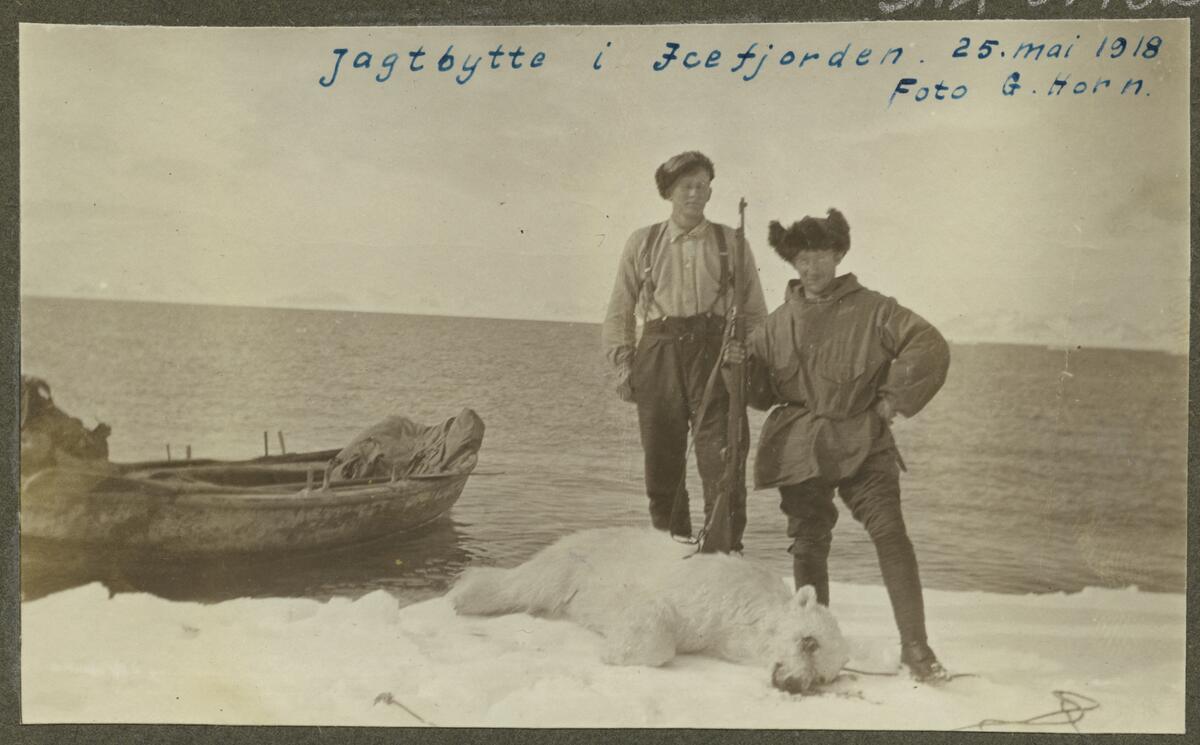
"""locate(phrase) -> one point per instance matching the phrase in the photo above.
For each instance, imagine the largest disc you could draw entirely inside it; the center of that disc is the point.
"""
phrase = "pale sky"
(209, 166)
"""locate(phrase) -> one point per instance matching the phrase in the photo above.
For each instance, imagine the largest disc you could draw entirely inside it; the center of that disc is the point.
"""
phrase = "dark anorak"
(824, 363)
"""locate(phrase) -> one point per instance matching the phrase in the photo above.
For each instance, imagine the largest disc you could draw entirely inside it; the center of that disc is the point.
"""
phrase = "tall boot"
(922, 663)
(898, 563)
(811, 570)
(902, 578)
(673, 516)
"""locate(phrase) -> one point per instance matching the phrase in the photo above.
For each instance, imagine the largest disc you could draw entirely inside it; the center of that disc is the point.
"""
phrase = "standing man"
(838, 362)
(678, 275)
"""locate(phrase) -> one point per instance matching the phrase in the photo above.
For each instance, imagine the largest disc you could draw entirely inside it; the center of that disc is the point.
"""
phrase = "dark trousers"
(672, 365)
(873, 496)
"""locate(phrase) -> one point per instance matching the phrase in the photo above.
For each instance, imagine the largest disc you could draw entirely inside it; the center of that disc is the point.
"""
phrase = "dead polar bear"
(636, 588)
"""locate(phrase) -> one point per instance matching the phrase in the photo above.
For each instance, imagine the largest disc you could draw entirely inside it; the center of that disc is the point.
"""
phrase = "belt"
(688, 328)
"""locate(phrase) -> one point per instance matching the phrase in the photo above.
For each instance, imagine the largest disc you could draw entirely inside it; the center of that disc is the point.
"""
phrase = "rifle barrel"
(718, 535)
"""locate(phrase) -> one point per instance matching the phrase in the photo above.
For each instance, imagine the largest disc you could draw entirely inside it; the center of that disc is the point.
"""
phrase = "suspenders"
(647, 287)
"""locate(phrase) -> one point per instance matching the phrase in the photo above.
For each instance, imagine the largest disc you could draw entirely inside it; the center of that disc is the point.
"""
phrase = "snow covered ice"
(89, 657)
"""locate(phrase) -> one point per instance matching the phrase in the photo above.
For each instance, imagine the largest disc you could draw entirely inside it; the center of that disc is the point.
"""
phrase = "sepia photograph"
(753, 376)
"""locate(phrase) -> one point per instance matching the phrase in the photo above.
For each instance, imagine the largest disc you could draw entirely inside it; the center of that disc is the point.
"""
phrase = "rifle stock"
(718, 535)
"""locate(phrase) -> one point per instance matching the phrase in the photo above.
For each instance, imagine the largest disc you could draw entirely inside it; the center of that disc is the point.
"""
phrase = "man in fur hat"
(678, 276)
(838, 362)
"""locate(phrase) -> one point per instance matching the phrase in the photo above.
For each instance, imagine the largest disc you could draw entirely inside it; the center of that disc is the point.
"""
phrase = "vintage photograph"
(752, 376)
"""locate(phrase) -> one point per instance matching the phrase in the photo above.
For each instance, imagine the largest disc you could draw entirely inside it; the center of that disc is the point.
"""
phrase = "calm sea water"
(1034, 470)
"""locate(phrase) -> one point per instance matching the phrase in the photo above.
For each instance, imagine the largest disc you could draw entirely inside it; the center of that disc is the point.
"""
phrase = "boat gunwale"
(182, 492)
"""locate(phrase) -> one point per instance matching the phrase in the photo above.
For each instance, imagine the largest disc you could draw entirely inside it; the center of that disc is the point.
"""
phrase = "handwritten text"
(462, 64)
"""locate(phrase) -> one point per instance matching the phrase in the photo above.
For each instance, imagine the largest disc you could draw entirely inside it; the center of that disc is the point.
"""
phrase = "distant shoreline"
(961, 341)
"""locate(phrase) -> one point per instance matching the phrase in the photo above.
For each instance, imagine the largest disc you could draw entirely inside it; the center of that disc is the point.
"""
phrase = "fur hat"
(668, 173)
(810, 234)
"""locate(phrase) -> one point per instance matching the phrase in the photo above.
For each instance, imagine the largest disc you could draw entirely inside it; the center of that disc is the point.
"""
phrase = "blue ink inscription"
(596, 64)
(985, 48)
(1025, 51)
(752, 60)
(463, 65)
(338, 53)
(1145, 49)
(1028, 49)
(1062, 84)
(1011, 85)
(924, 92)
(1061, 81)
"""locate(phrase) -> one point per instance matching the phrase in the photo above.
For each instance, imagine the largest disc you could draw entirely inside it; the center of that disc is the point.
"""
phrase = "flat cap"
(668, 173)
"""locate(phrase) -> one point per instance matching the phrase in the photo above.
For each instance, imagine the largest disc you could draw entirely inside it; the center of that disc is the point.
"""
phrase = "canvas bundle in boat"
(400, 446)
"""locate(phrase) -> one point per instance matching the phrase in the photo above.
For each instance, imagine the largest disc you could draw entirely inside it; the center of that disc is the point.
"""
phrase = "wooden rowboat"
(273, 503)
(396, 475)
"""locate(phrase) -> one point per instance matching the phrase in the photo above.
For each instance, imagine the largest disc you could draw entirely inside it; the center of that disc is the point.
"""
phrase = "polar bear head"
(808, 647)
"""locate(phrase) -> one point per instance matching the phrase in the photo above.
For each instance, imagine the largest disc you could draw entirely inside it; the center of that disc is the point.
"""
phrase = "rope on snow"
(387, 698)
(1071, 709)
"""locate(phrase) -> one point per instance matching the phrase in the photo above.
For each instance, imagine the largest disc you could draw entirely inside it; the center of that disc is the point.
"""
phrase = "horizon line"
(1057, 346)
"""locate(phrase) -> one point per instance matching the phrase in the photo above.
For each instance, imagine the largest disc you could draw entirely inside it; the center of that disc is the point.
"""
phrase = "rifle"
(718, 534)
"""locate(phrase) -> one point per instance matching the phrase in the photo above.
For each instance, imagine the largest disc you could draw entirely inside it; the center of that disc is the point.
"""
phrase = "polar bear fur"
(652, 597)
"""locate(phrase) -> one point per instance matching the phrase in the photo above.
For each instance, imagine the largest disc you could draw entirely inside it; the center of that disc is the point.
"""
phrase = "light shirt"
(686, 271)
